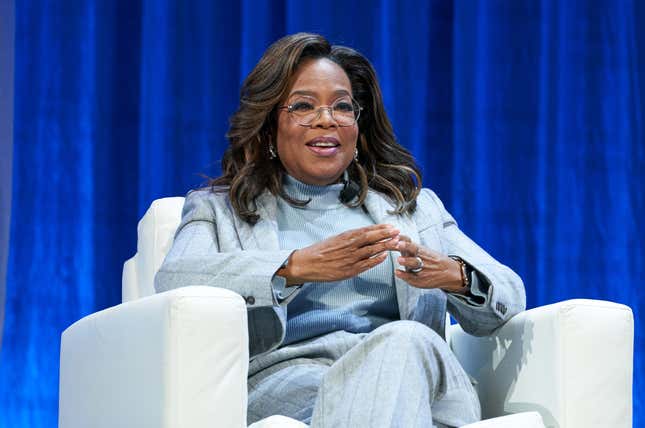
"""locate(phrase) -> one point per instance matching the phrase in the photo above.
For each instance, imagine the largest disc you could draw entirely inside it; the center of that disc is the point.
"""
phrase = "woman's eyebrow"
(302, 92)
(306, 92)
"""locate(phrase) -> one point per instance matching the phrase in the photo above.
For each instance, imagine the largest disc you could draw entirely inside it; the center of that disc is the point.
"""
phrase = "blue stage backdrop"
(527, 117)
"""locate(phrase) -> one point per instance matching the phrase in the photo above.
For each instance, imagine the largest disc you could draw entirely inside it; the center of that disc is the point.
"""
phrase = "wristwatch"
(465, 277)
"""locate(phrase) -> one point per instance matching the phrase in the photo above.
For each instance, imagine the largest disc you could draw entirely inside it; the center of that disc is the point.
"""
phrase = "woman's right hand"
(342, 256)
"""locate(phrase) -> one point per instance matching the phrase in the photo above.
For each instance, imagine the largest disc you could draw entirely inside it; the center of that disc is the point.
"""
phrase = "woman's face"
(319, 152)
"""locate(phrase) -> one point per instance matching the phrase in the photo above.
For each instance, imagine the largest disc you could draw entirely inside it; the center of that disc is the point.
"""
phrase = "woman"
(346, 264)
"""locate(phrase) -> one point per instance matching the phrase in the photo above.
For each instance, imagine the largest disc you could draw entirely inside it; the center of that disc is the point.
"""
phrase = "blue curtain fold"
(527, 118)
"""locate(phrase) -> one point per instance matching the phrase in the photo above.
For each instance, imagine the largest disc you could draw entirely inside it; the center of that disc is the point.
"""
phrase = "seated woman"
(346, 264)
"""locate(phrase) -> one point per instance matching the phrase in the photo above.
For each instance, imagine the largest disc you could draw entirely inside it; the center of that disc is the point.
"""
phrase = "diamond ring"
(419, 268)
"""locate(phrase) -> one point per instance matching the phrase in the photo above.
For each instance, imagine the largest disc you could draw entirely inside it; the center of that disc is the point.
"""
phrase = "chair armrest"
(571, 361)
(175, 359)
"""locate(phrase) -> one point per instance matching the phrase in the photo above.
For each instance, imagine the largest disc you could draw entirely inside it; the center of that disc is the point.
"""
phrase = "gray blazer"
(213, 246)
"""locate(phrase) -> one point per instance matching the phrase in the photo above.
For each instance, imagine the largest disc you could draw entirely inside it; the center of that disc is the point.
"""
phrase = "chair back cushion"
(155, 234)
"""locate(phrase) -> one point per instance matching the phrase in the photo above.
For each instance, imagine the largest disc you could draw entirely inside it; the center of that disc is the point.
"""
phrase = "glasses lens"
(344, 111)
(304, 112)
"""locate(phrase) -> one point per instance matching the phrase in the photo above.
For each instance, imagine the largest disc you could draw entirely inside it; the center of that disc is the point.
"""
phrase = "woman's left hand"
(437, 270)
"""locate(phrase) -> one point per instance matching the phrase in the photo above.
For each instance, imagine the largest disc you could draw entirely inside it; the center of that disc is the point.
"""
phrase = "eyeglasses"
(345, 112)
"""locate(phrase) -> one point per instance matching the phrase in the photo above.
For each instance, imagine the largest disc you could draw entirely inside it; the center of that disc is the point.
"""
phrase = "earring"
(356, 154)
(272, 153)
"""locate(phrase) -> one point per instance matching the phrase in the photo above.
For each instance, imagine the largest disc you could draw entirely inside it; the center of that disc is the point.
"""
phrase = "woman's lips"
(324, 146)
(324, 151)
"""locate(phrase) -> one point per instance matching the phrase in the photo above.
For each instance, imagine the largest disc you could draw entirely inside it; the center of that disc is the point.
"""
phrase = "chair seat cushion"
(524, 420)
(278, 421)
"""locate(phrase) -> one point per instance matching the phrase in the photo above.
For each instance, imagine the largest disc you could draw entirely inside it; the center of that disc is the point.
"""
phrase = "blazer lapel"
(378, 208)
(264, 234)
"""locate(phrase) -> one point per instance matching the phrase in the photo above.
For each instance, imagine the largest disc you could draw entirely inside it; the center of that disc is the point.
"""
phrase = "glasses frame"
(319, 110)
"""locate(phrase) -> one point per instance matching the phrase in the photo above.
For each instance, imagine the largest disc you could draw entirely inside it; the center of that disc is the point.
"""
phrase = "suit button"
(501, 307)
(250, 300)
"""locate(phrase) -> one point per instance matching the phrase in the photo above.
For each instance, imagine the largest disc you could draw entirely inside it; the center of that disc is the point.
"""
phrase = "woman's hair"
(247, 167)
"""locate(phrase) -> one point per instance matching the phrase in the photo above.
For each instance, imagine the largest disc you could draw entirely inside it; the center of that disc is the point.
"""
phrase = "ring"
(419, 268)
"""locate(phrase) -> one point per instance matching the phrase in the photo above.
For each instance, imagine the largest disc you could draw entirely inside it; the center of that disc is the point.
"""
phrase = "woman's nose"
(324, 118)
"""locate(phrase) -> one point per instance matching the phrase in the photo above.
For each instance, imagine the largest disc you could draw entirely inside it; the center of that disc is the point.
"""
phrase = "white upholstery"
(176, 359)
(278, 421)
(520, 420)
(179, 359)
(155, 234)
(570, 361)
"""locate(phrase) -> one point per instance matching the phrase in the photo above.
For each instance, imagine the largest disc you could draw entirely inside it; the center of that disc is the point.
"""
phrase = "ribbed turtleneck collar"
(322, 197)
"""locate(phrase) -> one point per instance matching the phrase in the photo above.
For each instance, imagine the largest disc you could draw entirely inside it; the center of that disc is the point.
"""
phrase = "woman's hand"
(342, 256)
(437, 270)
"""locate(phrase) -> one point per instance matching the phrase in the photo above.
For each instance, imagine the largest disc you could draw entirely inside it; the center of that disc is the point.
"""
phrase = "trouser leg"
(288, 388)
(401, 375)
(285, 382)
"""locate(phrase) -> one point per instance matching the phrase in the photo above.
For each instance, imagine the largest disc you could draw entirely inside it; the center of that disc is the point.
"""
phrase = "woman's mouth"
(324, 146)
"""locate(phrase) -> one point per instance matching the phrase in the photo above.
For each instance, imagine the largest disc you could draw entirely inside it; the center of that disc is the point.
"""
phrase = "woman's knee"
(409, 331)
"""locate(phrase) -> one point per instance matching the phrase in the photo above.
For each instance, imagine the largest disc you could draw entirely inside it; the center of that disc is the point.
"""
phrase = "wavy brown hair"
(247, 168)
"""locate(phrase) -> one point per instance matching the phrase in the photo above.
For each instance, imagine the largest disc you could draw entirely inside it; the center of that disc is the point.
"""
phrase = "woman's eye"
(302, 106)
(344, 106)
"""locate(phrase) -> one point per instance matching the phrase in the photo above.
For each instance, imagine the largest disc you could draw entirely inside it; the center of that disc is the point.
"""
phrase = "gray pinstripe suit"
(401, 374)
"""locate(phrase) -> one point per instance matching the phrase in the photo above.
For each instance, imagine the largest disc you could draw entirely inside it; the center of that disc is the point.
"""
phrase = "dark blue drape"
(526, 116)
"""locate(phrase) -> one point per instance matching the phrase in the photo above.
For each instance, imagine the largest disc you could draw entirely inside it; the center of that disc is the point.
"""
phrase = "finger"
(379, 247)
(369, 263)
(429, 253)
(372, 227)
(406, 241)
(361, 232)
(409, 262)
(373, 236)
(412, 279)
(407, 248)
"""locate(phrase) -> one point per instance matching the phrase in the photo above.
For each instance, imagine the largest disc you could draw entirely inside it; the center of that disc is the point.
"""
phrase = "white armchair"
(179, 359)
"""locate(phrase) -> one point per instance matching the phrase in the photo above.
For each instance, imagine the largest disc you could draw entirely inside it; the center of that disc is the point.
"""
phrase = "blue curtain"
(526, 116)
(7, 32)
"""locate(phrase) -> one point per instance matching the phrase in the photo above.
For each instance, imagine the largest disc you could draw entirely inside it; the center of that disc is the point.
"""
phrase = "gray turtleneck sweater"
(357, 305)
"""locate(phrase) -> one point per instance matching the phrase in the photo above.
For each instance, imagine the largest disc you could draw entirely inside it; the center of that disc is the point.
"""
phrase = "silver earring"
(356, 154)
(272, 153)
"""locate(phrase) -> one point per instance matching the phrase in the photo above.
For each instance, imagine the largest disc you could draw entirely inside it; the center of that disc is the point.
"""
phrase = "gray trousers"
(400, 375)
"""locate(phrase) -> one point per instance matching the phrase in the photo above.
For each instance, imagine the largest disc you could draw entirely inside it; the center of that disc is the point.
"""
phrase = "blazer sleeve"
(195, 259)
(505, 294)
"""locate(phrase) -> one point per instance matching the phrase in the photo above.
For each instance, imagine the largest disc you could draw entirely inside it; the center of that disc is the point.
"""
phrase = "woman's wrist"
(289, 271)
(458, 283)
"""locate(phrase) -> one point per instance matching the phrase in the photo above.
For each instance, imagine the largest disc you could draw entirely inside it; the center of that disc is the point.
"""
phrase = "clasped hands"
(349, 253)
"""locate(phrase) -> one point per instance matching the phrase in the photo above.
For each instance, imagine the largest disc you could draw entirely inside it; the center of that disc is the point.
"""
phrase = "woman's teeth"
(324, 144)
